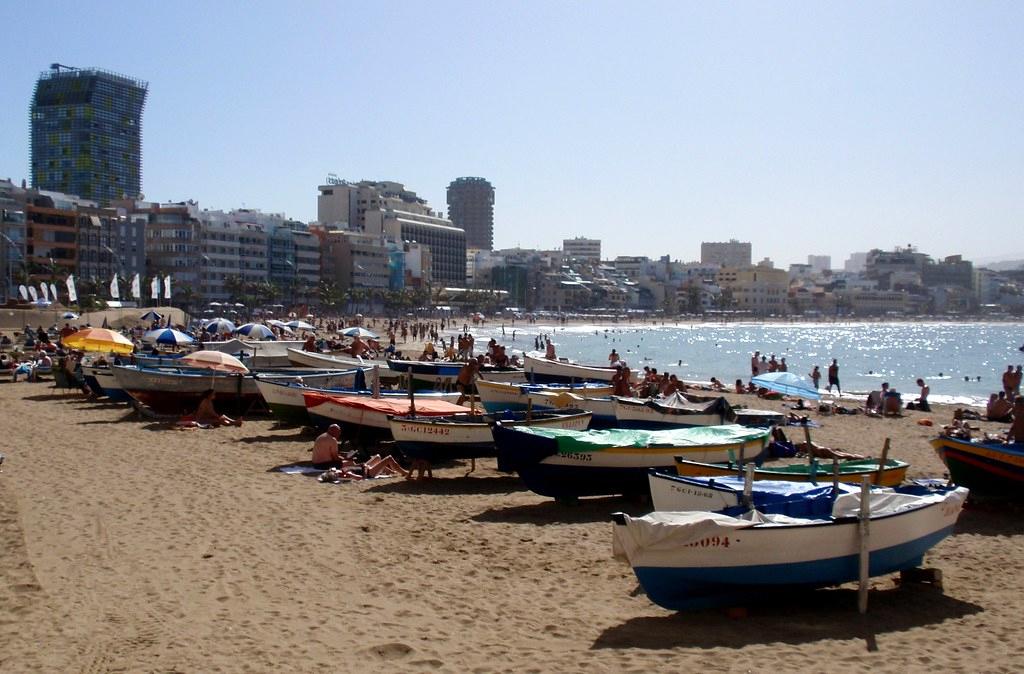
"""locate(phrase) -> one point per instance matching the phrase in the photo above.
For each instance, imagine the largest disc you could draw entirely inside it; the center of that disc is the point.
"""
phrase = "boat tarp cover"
(571, 442)
(424, 407)
(679, 404)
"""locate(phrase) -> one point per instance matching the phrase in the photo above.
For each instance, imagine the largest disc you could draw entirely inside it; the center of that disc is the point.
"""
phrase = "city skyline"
(829, 130)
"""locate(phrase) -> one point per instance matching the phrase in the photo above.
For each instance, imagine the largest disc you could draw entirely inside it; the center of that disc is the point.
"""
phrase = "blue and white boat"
(498, 397)
(692, 560)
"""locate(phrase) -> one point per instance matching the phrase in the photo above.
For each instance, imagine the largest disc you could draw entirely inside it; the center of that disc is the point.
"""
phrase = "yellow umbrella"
(214, 360)
(99, 339)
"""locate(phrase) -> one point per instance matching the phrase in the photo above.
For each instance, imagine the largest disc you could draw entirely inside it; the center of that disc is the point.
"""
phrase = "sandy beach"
(133, 547)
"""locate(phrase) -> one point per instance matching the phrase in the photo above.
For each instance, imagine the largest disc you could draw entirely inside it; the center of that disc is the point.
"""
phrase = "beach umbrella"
(168, 336)
(216, 304)
(151, 316)
(358, 332)
(99, 339)
(300, 325)
(255, 331)
(71, 315)
(786, 383)
(214, 360)
(280, 325)
(219, 326)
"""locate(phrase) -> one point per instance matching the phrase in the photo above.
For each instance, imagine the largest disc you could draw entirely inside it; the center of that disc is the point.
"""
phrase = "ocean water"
(962, 362)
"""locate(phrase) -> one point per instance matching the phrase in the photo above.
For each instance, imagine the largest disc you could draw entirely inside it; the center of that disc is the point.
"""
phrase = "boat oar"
(748, 487)
(883, 462)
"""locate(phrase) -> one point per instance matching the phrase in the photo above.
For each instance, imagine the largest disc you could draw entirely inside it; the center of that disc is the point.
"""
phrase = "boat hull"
(497, 397)
(988, 470)
(544, 371)
(445, 439)
(714, 564)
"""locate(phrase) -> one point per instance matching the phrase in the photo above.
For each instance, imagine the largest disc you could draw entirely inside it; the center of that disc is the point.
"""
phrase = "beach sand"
(132, 547)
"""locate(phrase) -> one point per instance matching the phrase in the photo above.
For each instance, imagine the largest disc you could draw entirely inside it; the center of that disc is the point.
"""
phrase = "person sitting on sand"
(310, 344)
(892, 403)
(999, 408)
(921, 404)
(1016, 432)
(549, 351)
(716, 385)
(375, 466)
(325, 449)
(207, 414)
(740, 388)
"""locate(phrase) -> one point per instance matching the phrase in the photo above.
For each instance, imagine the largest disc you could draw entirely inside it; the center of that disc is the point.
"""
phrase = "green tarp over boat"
(569, 441)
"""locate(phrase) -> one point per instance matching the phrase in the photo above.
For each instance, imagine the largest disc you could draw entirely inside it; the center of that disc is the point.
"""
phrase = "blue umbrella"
(358, 332)
(219, 326)
(255, 331)
(167, 336)
(151, 316)
(786, 383)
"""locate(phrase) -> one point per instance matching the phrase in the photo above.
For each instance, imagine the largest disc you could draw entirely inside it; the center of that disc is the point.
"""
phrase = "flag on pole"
(154, 288)
(167, 287)
(45, 291)
(136, 287)
(34, 293)
(115, 290)
(72, 293)
(23, 291)
(53, 292)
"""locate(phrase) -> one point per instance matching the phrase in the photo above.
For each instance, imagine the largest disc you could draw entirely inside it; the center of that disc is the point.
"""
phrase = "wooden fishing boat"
(439, 374)
(568, 464)
(286, 402)
(851, 471)
(437, 439)
(499, 396)
(671, 411)
(991, 469)
(674, 493)
(366, 412)
(324, 360)
(691, 560)
(540, 370)
(179, 390)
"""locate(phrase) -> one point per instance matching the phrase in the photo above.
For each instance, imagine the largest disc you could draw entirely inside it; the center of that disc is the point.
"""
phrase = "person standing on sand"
(833, 377)
(755, 364)
(1008, 382)
(815, 376)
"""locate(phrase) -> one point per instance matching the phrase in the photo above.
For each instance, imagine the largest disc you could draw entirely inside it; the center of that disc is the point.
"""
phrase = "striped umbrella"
(151, 316)
(255, 331)
(167, 336)
(300, 325)
(219, 326)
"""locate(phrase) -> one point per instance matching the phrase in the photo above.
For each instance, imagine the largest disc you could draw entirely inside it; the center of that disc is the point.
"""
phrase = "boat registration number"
(710, 542)
(578, 456)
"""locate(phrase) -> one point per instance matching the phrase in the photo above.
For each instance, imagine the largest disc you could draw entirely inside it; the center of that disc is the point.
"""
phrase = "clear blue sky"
(808, 127)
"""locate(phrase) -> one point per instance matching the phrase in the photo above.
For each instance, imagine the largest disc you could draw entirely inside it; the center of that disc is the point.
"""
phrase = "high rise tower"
(471, 208)
(87, 133)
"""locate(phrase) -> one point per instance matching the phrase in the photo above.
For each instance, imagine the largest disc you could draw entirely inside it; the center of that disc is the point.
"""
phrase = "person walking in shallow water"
(815, 376)
(833, 377)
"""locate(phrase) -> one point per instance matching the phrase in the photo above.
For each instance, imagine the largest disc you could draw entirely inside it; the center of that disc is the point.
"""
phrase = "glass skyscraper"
(87, 133)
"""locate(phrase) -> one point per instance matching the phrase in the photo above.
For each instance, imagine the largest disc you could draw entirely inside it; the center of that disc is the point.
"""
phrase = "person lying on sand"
(822, 452)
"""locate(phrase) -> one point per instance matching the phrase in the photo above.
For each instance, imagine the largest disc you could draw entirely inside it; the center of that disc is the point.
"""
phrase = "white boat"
(540, 370)
(256, 354)
(690, 560)
(672, 492)
(286, 402)
(497, 397)
(367, 412)
(323, 360)
(469, 436)
(671, 411)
